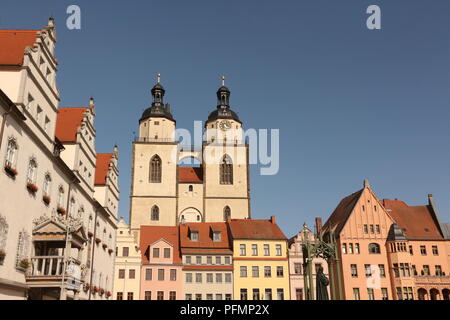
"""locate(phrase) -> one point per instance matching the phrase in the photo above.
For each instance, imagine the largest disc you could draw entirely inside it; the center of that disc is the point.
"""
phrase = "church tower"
(225, 163)
(154, 166)
(166, 193)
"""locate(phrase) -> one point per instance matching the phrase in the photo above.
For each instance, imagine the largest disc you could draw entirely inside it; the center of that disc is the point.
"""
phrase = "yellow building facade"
(127, 267)
(261, 268)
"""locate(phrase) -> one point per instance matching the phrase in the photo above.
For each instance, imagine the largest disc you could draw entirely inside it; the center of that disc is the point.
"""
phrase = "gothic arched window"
(374, 248)
(3, 232)
(47, 182)
(226, 213)
(71, 207)
(11, 153)
(61, 197)
(226, 170)
(155, 169)
(155, 213)
(22, 248)
(32, 170)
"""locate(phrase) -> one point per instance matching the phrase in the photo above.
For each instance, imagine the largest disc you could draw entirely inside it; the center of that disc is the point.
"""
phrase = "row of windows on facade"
(298, 268)
(11, 161)
(350, 248)
(267, 272)
(161, 276)
(373, 229)
(148, 295)
(208, 261)
(402, 247)
(189, 277)
(266, 248)
(371, 294)
(257, 295)
(399, 269)
(208, 296)
(38, 114)
(225, 170)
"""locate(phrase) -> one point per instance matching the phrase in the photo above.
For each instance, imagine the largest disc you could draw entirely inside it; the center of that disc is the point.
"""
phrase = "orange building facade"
(389, 250)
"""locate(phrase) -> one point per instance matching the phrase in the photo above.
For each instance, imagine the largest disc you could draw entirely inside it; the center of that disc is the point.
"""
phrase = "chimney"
(366, 183)
(273, 219)
(318, 225)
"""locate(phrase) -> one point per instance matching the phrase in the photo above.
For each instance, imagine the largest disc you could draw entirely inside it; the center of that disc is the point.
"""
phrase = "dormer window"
(194, 235)
(217, 236)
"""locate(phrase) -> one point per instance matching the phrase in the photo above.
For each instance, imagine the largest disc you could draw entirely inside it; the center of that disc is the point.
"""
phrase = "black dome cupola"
(223, 95)
(158, 92)
(157, 109)
(223, 105)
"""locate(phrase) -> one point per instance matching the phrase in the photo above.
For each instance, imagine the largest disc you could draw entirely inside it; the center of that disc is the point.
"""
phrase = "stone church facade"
(164, 192)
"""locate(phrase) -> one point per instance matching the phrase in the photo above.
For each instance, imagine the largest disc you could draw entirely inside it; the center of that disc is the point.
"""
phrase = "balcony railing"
(432, 279)
(145, 139)
(46, 266)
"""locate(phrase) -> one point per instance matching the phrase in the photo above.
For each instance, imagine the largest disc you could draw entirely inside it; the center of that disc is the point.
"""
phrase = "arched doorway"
(190, 215)
(422, 294)
(434, 294)
(446, 294)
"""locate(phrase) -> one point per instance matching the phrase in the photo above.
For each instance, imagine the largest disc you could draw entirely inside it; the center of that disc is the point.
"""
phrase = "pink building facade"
(161, 271)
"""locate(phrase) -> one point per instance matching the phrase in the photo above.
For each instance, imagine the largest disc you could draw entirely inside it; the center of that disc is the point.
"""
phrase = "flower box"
(61, 211)
(86, 287)
(110, 251)
(94, 289)
(90, 234)
(108, 294)
(24, 264)
(2, 256)
(46, 199)
(105, 246)
(98, 240)
(10, 171)
(101, 291)
(32, 187)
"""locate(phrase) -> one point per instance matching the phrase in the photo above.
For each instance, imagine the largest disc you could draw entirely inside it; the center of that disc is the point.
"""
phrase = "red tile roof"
(342, 212)
(102, 168)
(13, 44)
(68, 122)
(417, 222)
(205, 240)
(190, 174)
(255, 229)
(151, 234)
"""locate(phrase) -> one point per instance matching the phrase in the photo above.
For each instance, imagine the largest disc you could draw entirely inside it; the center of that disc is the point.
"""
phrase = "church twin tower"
(166, 193)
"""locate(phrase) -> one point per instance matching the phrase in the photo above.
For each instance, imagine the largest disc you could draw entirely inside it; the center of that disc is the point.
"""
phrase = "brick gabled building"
(389, 250)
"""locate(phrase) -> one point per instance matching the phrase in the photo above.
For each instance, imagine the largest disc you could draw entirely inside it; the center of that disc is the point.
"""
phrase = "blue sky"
(350, 103)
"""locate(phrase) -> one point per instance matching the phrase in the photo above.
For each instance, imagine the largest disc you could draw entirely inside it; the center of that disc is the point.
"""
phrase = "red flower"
(10, 170)
(61, 210)
(90, 234)
(98, 240)
(105, 246)
(110, 251)
(32, 187)
(46, 199)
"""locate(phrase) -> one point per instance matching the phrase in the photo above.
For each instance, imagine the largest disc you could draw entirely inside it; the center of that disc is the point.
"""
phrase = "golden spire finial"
(158, 77)
(223, 80)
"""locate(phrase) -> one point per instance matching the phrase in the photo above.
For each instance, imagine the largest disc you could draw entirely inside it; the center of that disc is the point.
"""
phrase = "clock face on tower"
(225, 125)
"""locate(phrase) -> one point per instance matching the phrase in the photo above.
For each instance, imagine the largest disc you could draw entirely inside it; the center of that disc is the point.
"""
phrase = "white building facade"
(58, 197)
